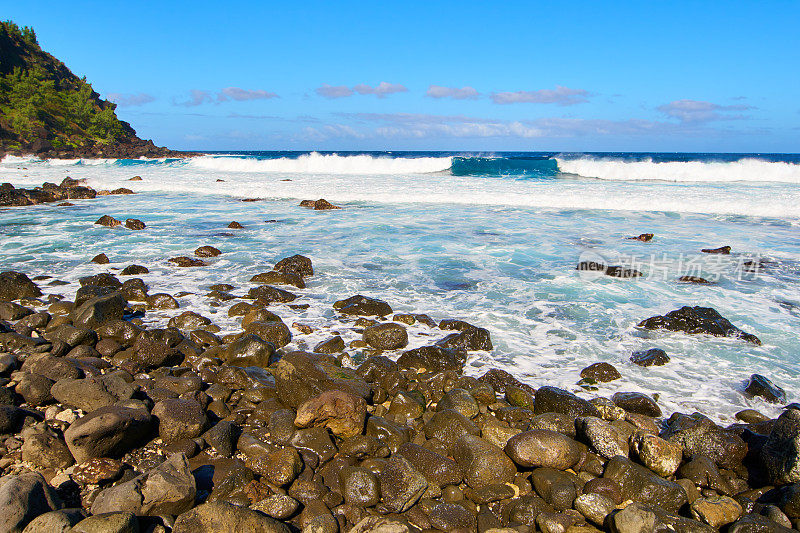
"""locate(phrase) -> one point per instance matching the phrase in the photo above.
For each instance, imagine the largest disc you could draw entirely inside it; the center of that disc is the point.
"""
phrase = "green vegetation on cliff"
(45, 108)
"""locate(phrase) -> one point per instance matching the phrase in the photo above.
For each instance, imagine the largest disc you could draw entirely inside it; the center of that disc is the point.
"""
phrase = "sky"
(695, 76)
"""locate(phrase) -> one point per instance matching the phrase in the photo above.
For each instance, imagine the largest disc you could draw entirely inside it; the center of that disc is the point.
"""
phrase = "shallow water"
(496, 250)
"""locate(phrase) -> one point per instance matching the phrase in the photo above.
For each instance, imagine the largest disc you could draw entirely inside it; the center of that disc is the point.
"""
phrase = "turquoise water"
(497, 249)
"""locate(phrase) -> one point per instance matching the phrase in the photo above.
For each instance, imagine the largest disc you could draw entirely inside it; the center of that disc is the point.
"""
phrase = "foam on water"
(752, 170)
(316, 163)
(505, 261)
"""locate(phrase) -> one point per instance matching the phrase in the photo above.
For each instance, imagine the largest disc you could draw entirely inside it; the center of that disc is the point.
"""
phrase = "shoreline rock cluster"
(68, 189)
(108, 425)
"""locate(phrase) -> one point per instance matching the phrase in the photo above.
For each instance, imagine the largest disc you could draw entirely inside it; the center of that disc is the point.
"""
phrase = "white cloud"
(697, 111)
(563, 96)
(334, 91)
(464, 93)
(239, 94)
(196, 98)
(381, 90)
(130, 100)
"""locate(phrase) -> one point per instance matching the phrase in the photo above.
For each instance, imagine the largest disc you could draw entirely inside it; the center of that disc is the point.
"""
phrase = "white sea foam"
(316, 163)
(754, 170)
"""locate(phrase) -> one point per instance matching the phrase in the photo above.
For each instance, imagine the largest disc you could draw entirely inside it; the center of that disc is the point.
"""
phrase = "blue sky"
(573, 76)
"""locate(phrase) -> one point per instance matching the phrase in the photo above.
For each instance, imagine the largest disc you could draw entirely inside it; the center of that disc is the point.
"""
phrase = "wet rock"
(280, 278)
(107, 432)
(651, 357)
(360, 487)
(296, 264)
(752, 523)
(135, 224)
(168, 489)
(780, 454)
(249, 350)
(179, 418)
(698, 320)
(698, 435)
(751, 416)
(189, 320)
(319, 205)
(363, 306)
(100, 259)
(162, 300)
(468, 338)
(184, 261)
(448, 425)
(433, 358)
(108, 221)
(636, 402)
(716, 511)
(121, 522)
(659, 455)
(725, 250)
(298, 377)
(694, 279)
(276, 333)
(207, 251)
(341, 412)
(134, 270)
(601, 372)
(330, 346)
(235, 225)
(482, 462)
(607, 487)
(159, 347)
(499, 380)
(437, 469)
(555, 487)
(267, 294)
(634, 518)
(24, 497)
(555, 400)
(34, 388)
(544, 448)
(401, 484)
(763, 387)
(644, 237)
(99, 310)
(459, 400)
(703, 472)
(641, 485)
(278, 506)
(389, 336)
(16, 285)
(602, 437)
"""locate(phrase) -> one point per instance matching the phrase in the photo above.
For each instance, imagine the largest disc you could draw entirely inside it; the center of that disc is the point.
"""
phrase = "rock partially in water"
(16, 285)
(207, 251)
(184, 261)
(108, 221)
(318, 205)
(698, 320)
(762, 386)
(650, 357)
(724, 250)
(601, 372)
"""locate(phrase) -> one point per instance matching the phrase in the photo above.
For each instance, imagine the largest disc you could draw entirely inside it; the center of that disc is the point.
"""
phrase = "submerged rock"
(651, 357)
(698, 320)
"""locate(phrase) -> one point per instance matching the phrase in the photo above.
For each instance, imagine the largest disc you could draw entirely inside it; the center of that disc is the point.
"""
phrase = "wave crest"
(755, 170)
(316, 163)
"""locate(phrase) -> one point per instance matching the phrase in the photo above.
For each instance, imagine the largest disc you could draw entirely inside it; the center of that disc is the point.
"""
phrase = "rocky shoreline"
(131, 149)
(108, 424)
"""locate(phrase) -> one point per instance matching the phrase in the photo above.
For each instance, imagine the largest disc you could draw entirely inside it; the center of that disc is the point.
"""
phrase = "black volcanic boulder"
(363, 306)
(762, 386)
(433, 358)
(700, 436)
(651, 357)
(698, 320)
(16, 285)
(296, 264)
(249, 350)
(281, 278)
(641, 485)
(468, 339)
(388, 336)
(268, 294)
(99, 310)
(300, 376)
(555, 400)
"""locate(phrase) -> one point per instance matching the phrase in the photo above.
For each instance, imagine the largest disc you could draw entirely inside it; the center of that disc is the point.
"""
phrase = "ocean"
(493, 239)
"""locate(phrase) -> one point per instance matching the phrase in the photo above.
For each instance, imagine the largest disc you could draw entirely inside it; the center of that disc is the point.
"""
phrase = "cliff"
(47, 110)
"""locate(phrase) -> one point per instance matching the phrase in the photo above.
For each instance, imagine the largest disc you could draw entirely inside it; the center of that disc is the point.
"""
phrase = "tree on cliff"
(46, 109)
